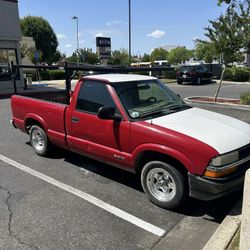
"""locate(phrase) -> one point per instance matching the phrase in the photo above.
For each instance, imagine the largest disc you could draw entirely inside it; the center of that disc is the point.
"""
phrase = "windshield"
(186, 68)
(148, 98)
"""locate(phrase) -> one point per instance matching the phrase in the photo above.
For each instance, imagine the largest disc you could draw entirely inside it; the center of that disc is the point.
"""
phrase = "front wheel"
(164, 184)
(179, 82)
(39, 140)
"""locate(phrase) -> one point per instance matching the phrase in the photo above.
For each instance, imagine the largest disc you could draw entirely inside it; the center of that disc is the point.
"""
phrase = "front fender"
(164, 150)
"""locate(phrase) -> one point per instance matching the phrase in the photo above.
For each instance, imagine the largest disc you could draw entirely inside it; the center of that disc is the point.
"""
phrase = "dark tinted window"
(92, 96)
(6, 57)
(186, 68)
(199, 68)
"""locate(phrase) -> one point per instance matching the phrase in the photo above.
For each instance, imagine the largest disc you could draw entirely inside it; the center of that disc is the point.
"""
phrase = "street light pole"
(129, 29)
(77, 36)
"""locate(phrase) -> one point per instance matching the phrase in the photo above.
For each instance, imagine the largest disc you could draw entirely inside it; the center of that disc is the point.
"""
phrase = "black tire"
(210, 79)
(170, 179)
(179, 82)
(39, 140)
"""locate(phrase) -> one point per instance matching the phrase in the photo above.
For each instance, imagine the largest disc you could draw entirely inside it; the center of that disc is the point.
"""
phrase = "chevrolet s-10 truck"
(136, 123)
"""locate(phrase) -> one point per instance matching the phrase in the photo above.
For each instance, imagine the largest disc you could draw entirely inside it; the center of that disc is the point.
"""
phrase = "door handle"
(75, 119)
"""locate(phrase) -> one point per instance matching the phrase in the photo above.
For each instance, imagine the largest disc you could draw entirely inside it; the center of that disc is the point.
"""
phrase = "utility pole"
(129, 30)
(77, 36)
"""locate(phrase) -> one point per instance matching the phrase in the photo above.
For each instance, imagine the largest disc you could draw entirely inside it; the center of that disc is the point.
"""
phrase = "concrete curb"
(230, 82)
(223, 235)
(189, 100)
(245, 221)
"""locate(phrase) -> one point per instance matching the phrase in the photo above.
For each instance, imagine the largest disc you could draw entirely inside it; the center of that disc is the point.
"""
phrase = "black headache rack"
(71, 70)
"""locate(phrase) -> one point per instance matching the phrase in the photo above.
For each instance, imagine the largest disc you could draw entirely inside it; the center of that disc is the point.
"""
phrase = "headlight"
(225, 159)
(222, 165)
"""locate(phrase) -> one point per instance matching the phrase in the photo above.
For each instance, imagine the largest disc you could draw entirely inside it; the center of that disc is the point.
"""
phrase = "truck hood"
(221, 132)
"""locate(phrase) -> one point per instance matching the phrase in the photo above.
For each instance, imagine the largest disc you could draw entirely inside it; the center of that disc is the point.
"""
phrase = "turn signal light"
(214, 174)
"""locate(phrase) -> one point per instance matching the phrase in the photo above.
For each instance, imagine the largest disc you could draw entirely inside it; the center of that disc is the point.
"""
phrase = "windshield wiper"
(155, 112)
(178, 106)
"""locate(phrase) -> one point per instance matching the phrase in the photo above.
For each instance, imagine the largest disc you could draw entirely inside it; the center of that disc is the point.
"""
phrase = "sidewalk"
(231, 82)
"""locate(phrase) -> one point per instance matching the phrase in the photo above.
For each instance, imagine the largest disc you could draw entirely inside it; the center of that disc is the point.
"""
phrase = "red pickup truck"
(136, 123)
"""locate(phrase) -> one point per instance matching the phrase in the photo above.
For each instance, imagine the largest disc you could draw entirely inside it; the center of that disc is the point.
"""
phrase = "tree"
(229, 34)
(29, 52)
(179, 55)
(73, 58)
(205, 51)
(119, 57)
(224, 1)
(146, 58)
(43, 35)
(159, 54)
(241, 9)
(231, 1)
(87, 56)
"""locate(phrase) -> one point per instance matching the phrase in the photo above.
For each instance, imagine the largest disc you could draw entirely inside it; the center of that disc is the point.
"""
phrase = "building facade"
(10, 36)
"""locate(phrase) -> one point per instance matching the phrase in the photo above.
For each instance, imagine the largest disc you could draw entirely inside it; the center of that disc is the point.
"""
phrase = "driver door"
(105, 140)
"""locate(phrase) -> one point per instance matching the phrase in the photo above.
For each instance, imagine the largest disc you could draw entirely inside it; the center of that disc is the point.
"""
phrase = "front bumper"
(13, 124)
(186, 79)
(205, 189)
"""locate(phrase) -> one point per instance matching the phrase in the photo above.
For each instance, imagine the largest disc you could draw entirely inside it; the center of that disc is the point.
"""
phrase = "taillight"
(178, 73)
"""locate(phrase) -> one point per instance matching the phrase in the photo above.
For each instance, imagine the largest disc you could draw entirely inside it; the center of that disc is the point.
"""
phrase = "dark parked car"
(194, 73)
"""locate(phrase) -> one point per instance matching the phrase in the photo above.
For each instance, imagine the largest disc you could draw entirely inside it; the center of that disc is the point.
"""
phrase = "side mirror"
(108, 113)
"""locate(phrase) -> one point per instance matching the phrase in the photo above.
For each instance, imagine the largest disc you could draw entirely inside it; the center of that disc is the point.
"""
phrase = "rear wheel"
(39, 140)
(164, 185)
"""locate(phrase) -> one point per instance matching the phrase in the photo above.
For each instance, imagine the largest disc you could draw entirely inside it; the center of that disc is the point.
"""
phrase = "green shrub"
(44, 75)
(237, 74)
(171, 74)
(245, 98)
(52, 75)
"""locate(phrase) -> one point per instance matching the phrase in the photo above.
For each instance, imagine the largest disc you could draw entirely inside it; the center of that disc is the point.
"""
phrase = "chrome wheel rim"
(161, 184)
(199, 81)
(38, 140)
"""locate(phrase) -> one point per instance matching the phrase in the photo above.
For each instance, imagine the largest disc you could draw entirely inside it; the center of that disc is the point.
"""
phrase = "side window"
(199, 68)
(205, 69)
(6, 57)
(92, 96)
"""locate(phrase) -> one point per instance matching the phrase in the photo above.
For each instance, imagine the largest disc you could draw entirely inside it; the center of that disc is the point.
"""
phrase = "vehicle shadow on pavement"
(99, 168)
(201, 84)
(214, 210)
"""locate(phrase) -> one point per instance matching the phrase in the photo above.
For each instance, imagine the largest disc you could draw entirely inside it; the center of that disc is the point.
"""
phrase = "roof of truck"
(120, 77)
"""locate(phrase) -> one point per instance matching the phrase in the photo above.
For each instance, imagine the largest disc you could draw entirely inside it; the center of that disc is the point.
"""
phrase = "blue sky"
(154, 23)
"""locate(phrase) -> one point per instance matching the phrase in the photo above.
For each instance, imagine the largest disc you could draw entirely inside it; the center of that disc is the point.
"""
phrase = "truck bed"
(59, 96)
(25, 109)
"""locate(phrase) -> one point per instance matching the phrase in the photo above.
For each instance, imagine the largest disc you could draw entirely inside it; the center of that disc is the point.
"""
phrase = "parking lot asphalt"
(228, 90)
(36, 214)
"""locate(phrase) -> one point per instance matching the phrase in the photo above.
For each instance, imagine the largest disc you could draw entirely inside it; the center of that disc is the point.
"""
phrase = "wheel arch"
(151, 155)
(31, 120)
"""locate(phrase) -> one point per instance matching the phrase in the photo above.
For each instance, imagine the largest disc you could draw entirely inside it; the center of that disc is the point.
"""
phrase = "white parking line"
(97, 202)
